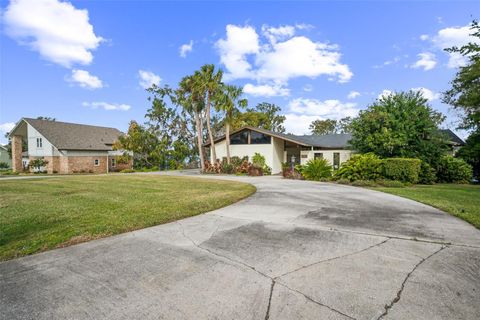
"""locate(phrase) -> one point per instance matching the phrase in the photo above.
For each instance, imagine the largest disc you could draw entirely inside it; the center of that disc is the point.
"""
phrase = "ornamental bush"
(453, 170)
(366, 166)
(259, 161)
(316, 169)
(426, 174)
(401, 169)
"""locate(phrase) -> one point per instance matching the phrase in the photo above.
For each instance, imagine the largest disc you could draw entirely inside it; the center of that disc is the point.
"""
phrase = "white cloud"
(277, 34)
(308, 88)
(6, 127)
(298, 124)
(57, 30)
(239, 42)
(424, 37)
(427, 93)
(106, 106)
(282, 57)
(84, 79)
(427, 61)
(148, 78)
(454, 36)
(353, 94)
(186, 48)
(331, 109)
(385, 93)
(266, 90)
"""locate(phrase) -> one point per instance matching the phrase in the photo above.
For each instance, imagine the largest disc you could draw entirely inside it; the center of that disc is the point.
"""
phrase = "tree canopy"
(329, 126)
(399, 125)
(465, 92)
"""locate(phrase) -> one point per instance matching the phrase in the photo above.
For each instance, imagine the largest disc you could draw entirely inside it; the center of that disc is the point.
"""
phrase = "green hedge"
(401, 169)
(453, 170)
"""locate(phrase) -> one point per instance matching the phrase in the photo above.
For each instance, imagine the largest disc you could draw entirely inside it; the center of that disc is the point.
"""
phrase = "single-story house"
(278, 148)
(68, 147)
(4, 156)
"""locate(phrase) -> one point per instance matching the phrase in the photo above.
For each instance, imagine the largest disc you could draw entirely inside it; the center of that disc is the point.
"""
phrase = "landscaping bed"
(41, 214)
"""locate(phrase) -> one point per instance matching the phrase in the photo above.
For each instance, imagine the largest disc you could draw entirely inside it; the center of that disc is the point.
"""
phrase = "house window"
(318, 155)
(39, 143)
(239, 138)
(259, 138)
(96, 162)
(336, 160)
(114, 163)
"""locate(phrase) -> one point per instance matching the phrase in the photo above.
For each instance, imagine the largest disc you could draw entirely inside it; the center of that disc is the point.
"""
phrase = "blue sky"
(88, 61)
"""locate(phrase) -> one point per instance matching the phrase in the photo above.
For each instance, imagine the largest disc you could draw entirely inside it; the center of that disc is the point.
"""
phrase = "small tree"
(37, 164)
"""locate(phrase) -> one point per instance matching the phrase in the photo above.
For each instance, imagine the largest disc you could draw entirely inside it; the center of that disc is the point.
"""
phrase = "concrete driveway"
(294, 250)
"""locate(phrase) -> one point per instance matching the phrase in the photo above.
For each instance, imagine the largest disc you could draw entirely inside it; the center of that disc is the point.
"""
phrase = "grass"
(41, 214)
(462, 201)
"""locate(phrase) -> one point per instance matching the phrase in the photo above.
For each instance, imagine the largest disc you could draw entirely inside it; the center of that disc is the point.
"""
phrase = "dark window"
(336, 160)
(239, 138)
(114, 162)
(96, 162)
(318, 155)
(259, 138)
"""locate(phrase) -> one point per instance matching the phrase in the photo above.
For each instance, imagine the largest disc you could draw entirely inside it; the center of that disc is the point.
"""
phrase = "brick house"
(68, 147)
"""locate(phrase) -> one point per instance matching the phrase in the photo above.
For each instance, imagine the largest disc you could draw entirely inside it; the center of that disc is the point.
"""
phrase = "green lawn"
(462, 201)
(40, 214)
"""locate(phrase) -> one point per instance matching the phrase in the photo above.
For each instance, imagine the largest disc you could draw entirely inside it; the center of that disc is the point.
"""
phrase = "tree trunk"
(227, 139)
(200, 140)
(209, 128)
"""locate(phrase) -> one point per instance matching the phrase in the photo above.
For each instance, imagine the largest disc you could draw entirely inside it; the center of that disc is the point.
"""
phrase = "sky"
(90, 61)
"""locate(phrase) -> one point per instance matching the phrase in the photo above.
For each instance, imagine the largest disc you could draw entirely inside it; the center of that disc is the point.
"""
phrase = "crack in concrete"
(399, 292)
(334, 258)
(315, 301)
(267, 315)
(274, 281)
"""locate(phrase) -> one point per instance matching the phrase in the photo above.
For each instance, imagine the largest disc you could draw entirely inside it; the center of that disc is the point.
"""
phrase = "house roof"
(73, 136)
(453, 138)
(324, 141)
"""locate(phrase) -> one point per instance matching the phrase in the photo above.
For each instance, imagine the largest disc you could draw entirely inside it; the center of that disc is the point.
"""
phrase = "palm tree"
(209, 83)
(190, 97)
(227, 101)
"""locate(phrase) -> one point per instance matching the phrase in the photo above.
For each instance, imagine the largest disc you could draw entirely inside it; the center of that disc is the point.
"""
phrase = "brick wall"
(87, 164)
(17, 165)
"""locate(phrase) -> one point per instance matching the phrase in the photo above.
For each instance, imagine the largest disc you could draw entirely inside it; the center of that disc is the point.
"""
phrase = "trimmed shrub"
(343, 181)
(453, 170)
(426, 174)
(364, 183)
(366, 166)
(127, 171)
(4, 165)
(228, 168)
(316, 169)
(401, 169)
(258, 160)
(391, 183)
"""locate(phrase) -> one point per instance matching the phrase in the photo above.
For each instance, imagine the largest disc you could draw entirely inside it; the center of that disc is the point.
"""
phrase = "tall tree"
(191, 98)
(399, 125)
(209, 82)
(329, 126)
(274, 121)
(465, 97)
(264, 115)
(320, 127)
(465, 92)
(228, 100)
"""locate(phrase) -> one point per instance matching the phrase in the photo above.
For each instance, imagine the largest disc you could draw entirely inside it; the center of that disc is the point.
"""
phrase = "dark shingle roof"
(72, 136)
(453, 138)
(324, 141)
